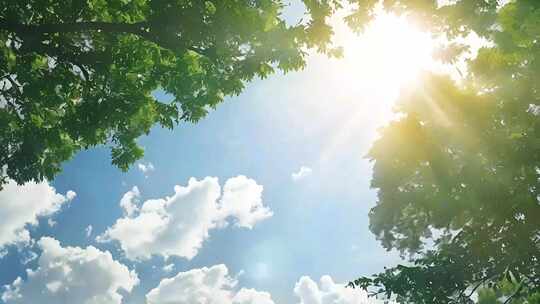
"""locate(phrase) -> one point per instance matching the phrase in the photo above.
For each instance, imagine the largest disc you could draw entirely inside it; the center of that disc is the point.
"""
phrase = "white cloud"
(242, 200)
(130, 200)
(145, 168)
(252, 296)
(86, 276)
(179, 224)
(51, 222)
(302, 173)
(204, 285)
(168, 268)
(22, 205)
(328, 292)
(214, 285)
(88, 230)
(27, 256)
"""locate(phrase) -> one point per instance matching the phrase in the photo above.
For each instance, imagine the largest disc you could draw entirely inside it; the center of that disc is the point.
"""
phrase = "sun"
(397, 51)
(348, 99)
(387, 55)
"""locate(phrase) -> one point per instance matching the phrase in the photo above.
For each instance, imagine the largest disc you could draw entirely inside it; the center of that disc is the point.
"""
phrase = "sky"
(265, 200)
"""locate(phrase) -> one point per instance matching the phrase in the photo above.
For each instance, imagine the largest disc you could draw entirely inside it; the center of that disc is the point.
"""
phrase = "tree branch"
(520, 287)
(133, 28)
(85, 72)
(141, 29)
(479, 283)
(14, 84)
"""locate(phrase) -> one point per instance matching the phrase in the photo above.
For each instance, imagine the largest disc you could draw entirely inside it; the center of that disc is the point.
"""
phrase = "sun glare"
(389, 54)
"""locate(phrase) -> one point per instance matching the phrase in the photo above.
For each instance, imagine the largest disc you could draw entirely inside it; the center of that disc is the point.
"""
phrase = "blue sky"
(323, 118)
(320, 223)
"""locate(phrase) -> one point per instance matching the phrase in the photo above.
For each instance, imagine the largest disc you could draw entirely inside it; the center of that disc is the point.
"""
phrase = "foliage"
(461, 168)
(500, 292)
(79, 73)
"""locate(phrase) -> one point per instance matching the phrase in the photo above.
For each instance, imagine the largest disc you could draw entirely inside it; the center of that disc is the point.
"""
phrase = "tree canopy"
(458, 174)
(80, 73)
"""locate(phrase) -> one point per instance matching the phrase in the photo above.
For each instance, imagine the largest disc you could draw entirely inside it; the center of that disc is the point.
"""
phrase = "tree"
(75, 74)
(461, 167)
(504, 291)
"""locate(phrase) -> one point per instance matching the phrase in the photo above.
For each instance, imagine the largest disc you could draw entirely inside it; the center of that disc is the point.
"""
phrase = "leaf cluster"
(461, 167)
(76, 74)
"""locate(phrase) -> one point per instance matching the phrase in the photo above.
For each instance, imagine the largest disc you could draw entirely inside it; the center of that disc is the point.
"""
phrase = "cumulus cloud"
(145, 168)
(328, 292)
(129, 201)
(87, 276)
(179, 224)
(301, 174)
(22, 205)
(242, 200)
(252, 296)
(204, 285)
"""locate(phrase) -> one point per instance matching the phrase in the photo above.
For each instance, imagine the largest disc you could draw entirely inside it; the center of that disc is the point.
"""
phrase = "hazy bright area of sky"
(301, 136)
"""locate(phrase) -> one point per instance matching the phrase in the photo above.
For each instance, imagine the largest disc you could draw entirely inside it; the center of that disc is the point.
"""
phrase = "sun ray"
(390, 54)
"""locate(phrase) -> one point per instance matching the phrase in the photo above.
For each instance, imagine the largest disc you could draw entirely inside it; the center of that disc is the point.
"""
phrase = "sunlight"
(390, 53)
(387, 56)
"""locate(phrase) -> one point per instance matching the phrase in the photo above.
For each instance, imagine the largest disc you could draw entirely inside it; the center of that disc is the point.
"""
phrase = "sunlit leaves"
(460, 168)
